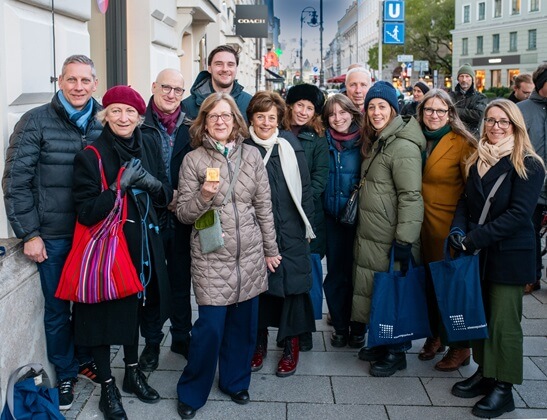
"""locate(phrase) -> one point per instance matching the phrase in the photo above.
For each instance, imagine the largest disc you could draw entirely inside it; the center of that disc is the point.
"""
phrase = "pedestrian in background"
(303, 118)
(227, 281)
(390, 210)
(166, 124)
(507, 250)
(535, 117)
(116, 322)
(523, 87)
(343, 123)
(37, 185)
(469, 102)
(287, 305)
(448, 146)
(418, 92)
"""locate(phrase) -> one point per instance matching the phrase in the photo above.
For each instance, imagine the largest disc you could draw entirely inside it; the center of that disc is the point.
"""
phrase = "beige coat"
(236, 272)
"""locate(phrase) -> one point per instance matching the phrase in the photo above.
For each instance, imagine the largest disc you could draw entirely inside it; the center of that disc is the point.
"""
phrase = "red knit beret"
(124, 95)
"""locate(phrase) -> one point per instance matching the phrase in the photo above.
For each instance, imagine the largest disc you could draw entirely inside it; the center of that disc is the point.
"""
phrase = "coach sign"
(252, 21)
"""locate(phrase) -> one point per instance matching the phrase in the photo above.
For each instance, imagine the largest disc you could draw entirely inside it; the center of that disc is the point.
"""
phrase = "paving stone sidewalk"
(333, 383)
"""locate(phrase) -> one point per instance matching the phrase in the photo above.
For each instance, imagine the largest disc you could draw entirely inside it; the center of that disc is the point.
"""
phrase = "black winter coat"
(37, 180)
(295, 269)
(317, 157)
(92, 206)
(470, 106)
(507, 238)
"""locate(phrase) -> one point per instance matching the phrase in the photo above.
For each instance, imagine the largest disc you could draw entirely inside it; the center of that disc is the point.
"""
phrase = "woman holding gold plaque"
(233, 242)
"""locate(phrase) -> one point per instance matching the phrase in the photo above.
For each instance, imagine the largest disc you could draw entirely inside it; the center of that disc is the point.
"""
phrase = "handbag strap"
(380, 145)
(488, 202)
(234, 177)
(103, 177)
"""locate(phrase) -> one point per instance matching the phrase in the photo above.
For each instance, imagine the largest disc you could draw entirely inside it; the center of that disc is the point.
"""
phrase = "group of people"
(275, 175)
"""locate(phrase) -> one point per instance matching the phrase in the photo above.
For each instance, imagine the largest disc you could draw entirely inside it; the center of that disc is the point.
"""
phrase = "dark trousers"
(537, 217)
(176, 243)
(338, 284)
(101, 356)
(226, 334)
(57, 314)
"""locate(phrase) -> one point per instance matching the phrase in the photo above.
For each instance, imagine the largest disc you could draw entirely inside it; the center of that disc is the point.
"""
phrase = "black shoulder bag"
(348, 215)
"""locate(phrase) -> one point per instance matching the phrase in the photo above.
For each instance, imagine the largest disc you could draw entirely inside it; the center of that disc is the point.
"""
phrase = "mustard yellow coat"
(443, 182)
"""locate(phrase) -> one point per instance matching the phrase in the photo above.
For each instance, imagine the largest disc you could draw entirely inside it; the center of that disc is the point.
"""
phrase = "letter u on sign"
(394, 11)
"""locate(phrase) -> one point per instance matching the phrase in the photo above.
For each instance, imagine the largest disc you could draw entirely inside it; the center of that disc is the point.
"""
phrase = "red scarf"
(339, 138)
(169, 121)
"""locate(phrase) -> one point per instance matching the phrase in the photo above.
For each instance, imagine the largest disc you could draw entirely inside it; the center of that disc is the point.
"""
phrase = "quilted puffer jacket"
(37, 180)
(237, 271)
(390, 206)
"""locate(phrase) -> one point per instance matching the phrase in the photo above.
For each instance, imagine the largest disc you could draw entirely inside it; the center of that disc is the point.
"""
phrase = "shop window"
(496, 78)
(479, 80)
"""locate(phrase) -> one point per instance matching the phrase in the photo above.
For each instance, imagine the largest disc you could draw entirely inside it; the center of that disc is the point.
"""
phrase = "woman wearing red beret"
(100, 325)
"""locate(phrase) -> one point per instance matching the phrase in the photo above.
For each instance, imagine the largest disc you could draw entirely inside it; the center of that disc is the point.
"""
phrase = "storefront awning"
(337, 79)
(276, 77)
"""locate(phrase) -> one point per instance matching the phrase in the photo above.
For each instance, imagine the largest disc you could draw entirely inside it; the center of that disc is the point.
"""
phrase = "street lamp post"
(310, 15)
(321, 71)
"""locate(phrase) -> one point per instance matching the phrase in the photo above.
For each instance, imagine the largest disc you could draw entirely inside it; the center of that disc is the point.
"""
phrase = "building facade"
(499, 38)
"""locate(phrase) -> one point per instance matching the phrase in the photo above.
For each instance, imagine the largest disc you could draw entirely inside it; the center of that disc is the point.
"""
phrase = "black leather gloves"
(468, 245)
(455, 238)
(147, 182)
(133, 170)
(402, 254)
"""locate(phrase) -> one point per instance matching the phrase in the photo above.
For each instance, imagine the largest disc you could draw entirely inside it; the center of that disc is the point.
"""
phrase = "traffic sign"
(404, 58)
(315, 69)
(421, 65)
(394, 33)
(394, 11)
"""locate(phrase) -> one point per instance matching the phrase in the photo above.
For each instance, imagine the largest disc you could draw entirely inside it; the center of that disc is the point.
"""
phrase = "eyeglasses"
(225, 117)
(491, 122)
(166, 89)
(440, 112)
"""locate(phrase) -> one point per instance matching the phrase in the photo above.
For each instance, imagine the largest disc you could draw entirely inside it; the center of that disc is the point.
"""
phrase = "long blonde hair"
(523, 147)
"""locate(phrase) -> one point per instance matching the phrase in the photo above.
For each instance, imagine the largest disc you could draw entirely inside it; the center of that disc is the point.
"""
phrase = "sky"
(289, 12)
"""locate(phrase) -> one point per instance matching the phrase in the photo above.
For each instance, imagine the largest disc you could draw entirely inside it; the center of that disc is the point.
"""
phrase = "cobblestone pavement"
(334, 383)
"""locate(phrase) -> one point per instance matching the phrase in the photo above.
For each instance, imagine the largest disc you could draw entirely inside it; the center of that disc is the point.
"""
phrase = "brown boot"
(453, 359)
(431, 347)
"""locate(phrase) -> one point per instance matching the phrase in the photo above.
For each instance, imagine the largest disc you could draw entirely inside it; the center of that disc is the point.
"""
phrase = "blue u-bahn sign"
(394, 22)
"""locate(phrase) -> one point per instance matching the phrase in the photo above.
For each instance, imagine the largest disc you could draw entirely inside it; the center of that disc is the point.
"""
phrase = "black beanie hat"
(422, 86)
(308, 92)
(541, 79)
(385, 91)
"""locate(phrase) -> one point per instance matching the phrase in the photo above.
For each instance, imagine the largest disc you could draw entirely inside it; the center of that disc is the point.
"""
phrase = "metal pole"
(301, 63)
(380, 38)
(321, 71)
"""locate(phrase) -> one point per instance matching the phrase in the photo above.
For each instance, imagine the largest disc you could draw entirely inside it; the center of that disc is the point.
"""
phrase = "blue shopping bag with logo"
(459, 296)
(398, 308)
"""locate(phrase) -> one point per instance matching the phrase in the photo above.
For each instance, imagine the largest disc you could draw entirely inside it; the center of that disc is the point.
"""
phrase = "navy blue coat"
(344, 174)
(507, 238)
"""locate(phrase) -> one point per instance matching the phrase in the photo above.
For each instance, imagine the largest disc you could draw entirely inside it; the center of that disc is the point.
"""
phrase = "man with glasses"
(470, 103)
(535, 117)
(37, 186)
(220, 76)
(166, 123)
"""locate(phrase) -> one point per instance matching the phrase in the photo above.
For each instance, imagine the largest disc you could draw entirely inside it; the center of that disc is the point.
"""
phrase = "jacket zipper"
(238, 241)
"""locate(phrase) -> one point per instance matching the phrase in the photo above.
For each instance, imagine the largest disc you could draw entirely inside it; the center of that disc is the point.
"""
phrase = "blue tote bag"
(458, 290)
(398, 308)
(30, 396)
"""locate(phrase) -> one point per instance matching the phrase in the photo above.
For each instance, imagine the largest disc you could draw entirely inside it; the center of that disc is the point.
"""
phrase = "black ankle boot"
(498, 401)
(473, 386)
(149, 359)
(134, 382)
(389, 364)
(110, 403)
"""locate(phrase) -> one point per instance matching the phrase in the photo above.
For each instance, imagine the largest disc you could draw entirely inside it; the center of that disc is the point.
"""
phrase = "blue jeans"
(57, 313)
